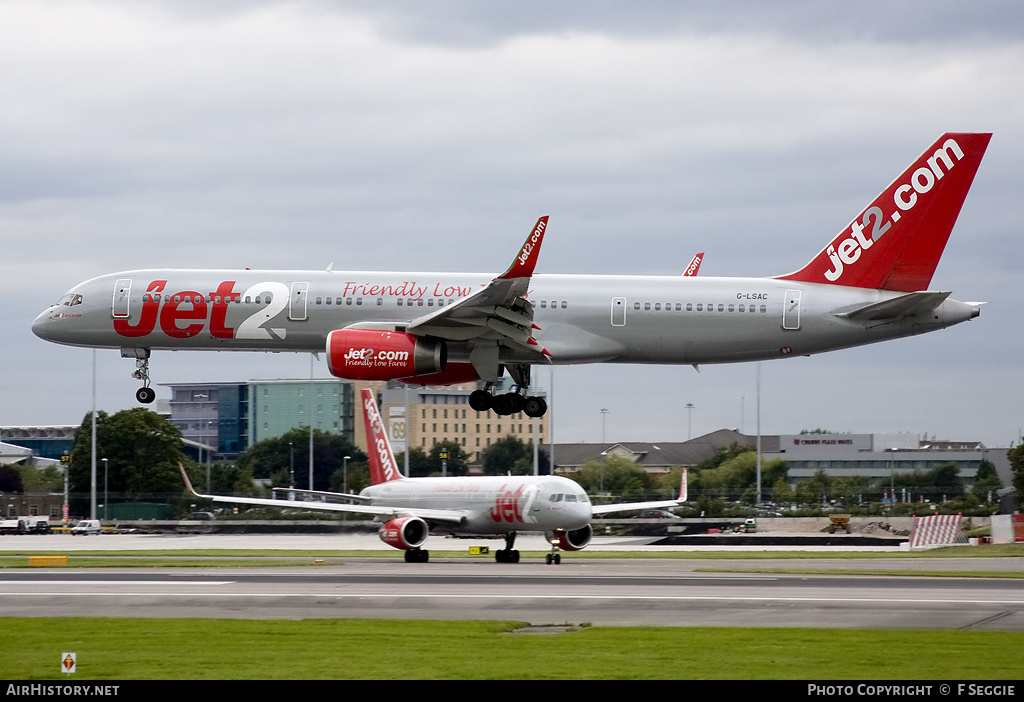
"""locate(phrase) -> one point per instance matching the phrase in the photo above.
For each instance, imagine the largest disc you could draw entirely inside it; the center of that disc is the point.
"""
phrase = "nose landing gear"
(145, 394)
(553, 557)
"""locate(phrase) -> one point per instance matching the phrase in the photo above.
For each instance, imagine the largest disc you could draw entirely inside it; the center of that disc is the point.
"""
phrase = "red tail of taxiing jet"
(382, 459)
(896, 243)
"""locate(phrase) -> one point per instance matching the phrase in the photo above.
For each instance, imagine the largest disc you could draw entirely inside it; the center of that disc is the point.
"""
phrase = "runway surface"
(598, 591)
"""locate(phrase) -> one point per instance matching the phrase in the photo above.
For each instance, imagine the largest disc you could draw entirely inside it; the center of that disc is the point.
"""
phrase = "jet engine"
(575, 540)
(405, 533)
(370, 354)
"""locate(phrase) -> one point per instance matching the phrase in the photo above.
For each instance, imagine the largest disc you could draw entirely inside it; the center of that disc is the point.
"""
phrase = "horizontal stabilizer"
(896, 308)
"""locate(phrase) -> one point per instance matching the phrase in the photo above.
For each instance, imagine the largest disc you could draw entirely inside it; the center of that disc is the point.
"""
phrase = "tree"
(34, 480)
(419, 463)
(510, 454)
(815, 489)
(142, 451)
(986, 481)
(10, 480)
(616, 475)
(736, 475)
(1016, 456)
(269, 457)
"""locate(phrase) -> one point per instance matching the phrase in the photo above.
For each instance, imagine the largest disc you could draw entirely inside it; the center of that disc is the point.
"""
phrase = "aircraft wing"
(630, 506)
(657, 504)
(454, 517)
(321, 493)
(499, 311)
(896, 308)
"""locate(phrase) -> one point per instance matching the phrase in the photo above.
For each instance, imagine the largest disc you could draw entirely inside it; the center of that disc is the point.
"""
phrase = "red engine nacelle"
(404, 532)
(368, 354)
(576, 540)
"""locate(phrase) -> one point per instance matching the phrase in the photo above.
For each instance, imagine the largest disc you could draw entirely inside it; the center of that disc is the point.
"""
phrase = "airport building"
(229, 417)
(876, 456)
(41, 445)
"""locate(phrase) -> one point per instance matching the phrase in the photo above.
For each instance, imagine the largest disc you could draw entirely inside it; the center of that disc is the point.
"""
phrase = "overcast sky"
(431, 135)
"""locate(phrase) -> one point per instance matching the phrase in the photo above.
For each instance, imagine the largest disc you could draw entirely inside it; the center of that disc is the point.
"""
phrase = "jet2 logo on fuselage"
(506, 506)
(172, 309)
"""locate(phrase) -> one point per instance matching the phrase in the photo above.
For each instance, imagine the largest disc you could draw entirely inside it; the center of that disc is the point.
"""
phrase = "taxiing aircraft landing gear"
(507, 554)
(145, 394)
(417, 555)
(553, 557)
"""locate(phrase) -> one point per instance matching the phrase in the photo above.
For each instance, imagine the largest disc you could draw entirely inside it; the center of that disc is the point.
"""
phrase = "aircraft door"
(618, 311)
(120, 306)
(791, 311)
(297, 309)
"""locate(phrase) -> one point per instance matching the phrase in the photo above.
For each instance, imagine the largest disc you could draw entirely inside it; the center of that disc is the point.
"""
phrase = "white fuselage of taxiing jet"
(582, 318)
(492, 504)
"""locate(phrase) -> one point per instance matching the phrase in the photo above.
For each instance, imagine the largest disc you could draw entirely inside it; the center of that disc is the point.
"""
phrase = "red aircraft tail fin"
(896, 243)
(382, 460)
(694, 266)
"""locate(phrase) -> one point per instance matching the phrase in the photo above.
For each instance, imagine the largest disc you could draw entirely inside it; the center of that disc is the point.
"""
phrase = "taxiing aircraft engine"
(404, 532)
(371, 354)
(576, 540)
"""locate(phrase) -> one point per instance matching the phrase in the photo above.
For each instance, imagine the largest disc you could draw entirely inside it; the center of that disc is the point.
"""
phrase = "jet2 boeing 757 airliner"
(869, 284)
(557, 506)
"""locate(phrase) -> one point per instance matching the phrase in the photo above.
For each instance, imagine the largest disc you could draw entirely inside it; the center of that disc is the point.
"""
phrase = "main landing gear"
(145, 394)
(507, 554)
(508, 403)
(417, 555)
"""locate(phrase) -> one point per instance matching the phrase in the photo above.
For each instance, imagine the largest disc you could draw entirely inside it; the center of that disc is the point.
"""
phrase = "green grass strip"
(219, 649)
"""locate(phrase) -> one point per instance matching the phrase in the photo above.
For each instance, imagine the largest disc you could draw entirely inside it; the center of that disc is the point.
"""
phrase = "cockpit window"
(570, 498)
(70, 300)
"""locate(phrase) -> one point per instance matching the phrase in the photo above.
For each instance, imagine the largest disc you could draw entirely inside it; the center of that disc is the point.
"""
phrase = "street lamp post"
(344, 473)
(106, 499)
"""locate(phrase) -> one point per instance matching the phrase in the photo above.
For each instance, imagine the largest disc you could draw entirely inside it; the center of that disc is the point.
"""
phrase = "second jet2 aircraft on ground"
(410, 507)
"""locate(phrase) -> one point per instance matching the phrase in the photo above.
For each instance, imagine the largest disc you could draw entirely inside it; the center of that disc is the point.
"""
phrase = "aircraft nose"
(40, 326)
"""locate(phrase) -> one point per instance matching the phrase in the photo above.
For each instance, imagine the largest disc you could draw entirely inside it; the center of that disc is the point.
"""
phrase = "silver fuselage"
(582, 318)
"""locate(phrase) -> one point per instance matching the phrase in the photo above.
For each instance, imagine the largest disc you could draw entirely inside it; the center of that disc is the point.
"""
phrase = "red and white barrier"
(937, 530)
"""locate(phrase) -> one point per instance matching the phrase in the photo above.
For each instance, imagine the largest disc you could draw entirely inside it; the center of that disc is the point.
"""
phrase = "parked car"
(655, 514)
(85, 527)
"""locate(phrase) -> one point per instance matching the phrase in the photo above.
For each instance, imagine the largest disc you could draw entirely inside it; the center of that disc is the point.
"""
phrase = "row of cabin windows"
(700, 307)
(209, 299)
(418, 302)
(266, 298)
